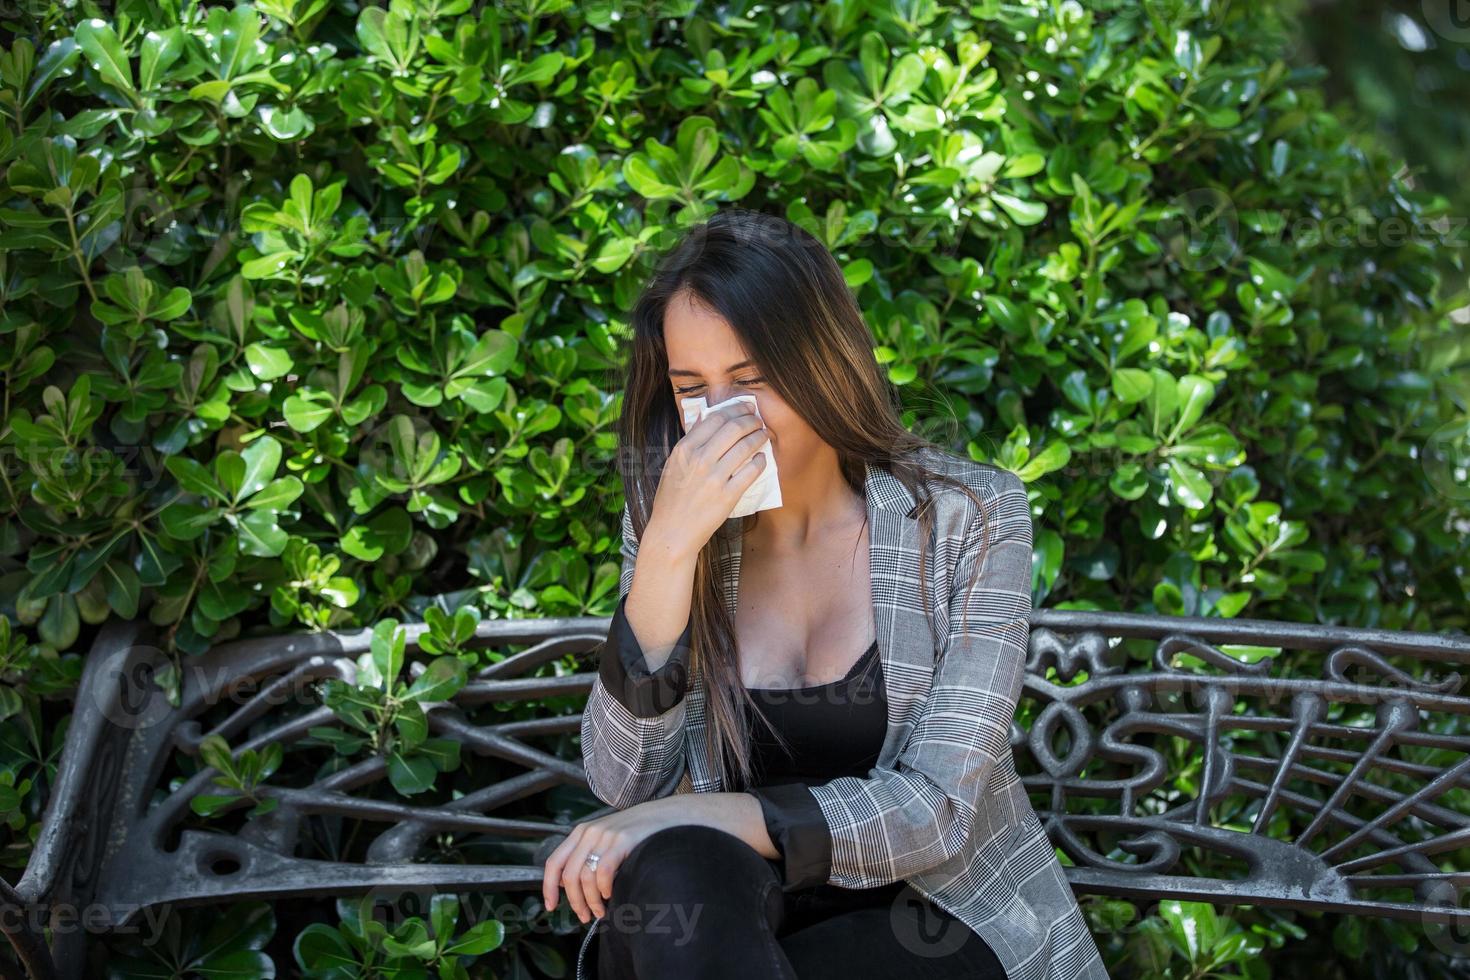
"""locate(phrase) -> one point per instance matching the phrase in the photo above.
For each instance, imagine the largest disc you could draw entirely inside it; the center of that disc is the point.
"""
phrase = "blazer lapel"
(905, 646)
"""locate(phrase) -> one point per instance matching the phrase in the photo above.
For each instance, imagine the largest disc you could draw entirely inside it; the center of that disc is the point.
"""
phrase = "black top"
(830, 730)
(833, 730)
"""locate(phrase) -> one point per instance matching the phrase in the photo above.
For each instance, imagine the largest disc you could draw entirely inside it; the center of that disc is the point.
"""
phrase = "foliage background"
(1397, 67)
(312, 314)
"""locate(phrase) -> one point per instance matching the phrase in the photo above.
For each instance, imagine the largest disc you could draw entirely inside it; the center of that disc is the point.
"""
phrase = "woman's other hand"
(611, 837)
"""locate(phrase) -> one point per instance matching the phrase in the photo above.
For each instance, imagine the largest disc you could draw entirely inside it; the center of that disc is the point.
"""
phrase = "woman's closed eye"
(688, 388)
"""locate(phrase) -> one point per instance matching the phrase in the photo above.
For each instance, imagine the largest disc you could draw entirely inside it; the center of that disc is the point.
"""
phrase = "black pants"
(694, 902)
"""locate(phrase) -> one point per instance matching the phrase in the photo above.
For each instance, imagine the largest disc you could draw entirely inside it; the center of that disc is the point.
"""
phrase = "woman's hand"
(611, 837)
(706, 474)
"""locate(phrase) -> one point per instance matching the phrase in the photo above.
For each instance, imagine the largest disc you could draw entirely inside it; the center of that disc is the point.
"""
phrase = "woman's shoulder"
(986, 481)
(988, 499)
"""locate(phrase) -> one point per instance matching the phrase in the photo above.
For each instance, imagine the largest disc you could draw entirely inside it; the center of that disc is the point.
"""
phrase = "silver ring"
(592, 860)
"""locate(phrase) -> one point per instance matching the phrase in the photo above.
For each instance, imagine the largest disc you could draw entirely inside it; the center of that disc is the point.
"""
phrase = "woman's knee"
(685, 894)
(686, 855)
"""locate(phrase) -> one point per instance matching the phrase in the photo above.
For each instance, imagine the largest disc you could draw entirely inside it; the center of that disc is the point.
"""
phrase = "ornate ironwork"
(1329, 792)
(1230, 761)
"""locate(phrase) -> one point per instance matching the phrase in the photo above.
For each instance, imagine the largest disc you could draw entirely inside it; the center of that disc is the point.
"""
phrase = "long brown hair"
(784, 295)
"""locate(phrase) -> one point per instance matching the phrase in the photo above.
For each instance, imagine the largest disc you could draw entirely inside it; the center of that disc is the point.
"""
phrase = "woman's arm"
(865, 832)
(633, 725)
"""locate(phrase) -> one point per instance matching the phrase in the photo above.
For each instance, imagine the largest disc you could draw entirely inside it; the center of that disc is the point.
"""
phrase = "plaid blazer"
(943, 808)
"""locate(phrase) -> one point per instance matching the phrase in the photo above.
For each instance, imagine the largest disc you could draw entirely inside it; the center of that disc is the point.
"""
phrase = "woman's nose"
(717, 395)
(713, 395)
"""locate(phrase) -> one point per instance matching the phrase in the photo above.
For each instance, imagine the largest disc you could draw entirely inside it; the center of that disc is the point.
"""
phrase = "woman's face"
(707, 360)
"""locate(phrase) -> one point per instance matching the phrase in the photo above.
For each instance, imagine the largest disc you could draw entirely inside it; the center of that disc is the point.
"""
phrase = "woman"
(802, 716)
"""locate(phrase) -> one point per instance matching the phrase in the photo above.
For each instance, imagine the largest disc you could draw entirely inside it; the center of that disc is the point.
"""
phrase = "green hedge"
(329, 304)
(313, 313)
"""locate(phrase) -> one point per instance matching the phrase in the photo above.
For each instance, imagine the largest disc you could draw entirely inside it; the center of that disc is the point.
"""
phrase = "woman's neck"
(814, 503)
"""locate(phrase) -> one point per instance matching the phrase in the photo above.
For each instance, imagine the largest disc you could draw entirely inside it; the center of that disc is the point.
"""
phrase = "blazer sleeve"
(856, 832)
(633, 726)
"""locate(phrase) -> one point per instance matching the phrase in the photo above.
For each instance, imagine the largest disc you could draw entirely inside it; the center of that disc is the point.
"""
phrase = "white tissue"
(765, 492)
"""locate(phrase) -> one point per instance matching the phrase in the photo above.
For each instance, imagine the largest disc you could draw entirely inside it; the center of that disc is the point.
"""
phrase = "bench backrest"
(1230, 761)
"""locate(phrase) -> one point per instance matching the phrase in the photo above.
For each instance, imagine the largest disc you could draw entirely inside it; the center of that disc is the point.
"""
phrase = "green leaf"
(100, 44)
(123, 588)
(304, 415)
(160, 49)
(493, 353)
(614, 254)
(387, 647)
(60, 58)
(479, 939)
(440, 681)
(208, 804)
(267, 363)
(259, 534)
(385, 533)
(61, 623)
(322, 950)
(1022, 212)
(262, 457)
(645, 182)
(277, 495)
(1188, 485)
(1132, 385)
(1162, 401)
(1053, 457)
(443, 915)
(1168, 600)
(194, 478)
(442, 752)
(1197, 393)
(412, 725)
(215, 751)
(185, 522)
(1024, 165)
(906, 76)
(270, 265)
(410, 775)
(1129, 481)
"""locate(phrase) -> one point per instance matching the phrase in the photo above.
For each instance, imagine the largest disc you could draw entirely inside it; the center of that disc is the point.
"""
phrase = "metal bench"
(1332, 791)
